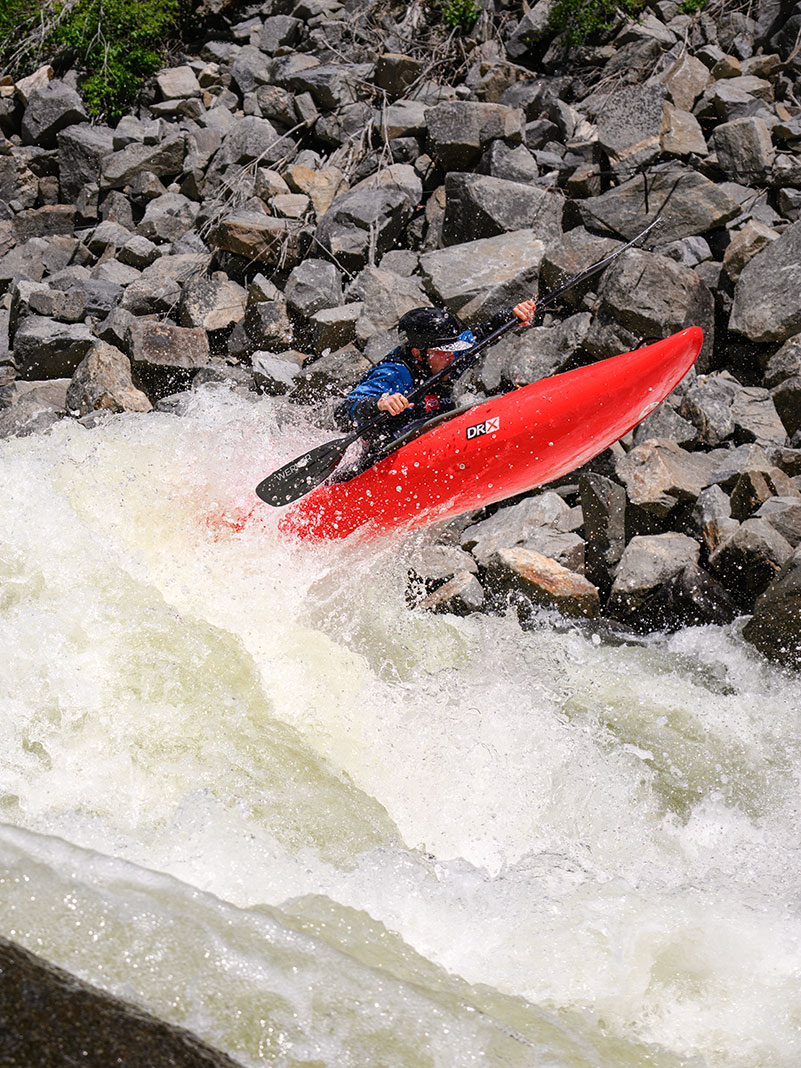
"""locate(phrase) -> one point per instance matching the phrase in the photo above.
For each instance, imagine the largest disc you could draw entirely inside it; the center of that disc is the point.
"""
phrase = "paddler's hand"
(394, 403)
(524, 311)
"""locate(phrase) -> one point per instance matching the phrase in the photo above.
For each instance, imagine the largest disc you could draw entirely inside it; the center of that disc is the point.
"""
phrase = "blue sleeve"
(384, 378)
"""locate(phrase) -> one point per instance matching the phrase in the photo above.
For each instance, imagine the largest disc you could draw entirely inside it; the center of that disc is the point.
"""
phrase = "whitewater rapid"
(245, 786)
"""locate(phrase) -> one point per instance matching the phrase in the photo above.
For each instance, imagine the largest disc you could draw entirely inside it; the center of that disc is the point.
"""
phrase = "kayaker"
(433, 338)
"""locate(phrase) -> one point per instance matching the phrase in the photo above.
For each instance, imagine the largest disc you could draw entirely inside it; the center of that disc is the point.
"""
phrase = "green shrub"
(459, 14)
(580, 19)
(115, 44)
(118, 43)
(691, 7)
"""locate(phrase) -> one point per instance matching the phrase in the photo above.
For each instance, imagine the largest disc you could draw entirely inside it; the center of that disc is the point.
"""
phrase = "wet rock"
(784, 514)
(534, 353)
(603, 506)
(573, 253)
(164, 355)
(480, 206)
(666, 423)
(55, 1019)
(775, 627)
(333, 328)
(312, 286)
(750, 559)
(520, 525)
(692, 598)
(720, 408)
(648, 562)
(212, 304)
(761, 310)
(31, 408)
(753, 488)
(45, 348)
(712, 517)
(386, 297)
(730, 464)
(460, 595)
(336, 371)
(102, 382)
(543, 582)
(275, 373)
(658, 476)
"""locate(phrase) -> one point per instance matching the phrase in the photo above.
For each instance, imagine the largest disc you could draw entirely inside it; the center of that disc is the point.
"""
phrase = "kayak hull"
(500, 448)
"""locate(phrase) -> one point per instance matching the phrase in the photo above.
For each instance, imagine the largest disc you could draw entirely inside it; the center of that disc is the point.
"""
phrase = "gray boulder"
(480, 206)
(721, 408)
(459, 130)
(573, 253)
(479, 277)
(81, 152)
(45, 348)
(364, 224)
(775, 627)
(764, 309)
(688, 203)
(630, 125)
(750, 559)
(543, 582)
(31, 407)
(658, 476)
(164, 355)
(603, 507)
(783, 513)
(212, 303)
(646, 295)
(712, 518)
(521, 525)
(162, 159)
(744, 148)
(259, 237)
(50, 108)
(782, 375)
(754, 488)
(102, 382)
(648, 562)
(312, 286)
(168, 217)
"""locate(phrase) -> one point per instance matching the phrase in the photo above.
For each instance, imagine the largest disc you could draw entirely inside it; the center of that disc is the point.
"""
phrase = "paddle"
(302, 474)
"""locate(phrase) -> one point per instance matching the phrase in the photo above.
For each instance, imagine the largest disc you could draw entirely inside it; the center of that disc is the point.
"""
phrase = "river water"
(244, 786)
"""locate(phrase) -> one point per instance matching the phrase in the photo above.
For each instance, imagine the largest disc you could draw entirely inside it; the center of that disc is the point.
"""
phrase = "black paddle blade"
(302, 474)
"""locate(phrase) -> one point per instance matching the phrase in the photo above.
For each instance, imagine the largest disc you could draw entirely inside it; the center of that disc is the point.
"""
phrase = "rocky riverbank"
(279, 199)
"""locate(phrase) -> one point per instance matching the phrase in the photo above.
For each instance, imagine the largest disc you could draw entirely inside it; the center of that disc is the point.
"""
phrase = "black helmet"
(425, 328)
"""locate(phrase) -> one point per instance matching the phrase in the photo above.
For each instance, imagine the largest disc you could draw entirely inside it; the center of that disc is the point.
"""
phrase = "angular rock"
(49, 109)
(178, 83)
(712, 517)
(603, 506)
(31, 411)
(267, 324)
(648, 562)
(783, 377)
(153, 345)
(479, 277)
(750, 559)
(681, 134)
(312, 286)
(44, 348)
(386, 297)
(630, 125)
(213, 304)
(460, 595)
(754, 488)
(666, 423)
(688, 203)
(333, 328)
(744, 148)
(784, 514)
(761, 309)
(685, 80)
(691, 598)
(572, 254)
(163, 159)
(102, 382)
(480, 206)
(363, 223)
(535, 353)
(458, 130)
(744, 245)
(395, 72)
(646, 295)
(543, 582)
(720, 408)
(259, 237)
(775, 627)
(514, 525)
(658, 475)
(275, 373)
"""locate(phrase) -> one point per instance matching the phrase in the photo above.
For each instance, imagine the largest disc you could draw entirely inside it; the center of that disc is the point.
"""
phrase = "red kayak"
(502, 447)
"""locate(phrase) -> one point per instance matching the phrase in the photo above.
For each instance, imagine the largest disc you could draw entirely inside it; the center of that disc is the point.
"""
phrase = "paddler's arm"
(381, 390)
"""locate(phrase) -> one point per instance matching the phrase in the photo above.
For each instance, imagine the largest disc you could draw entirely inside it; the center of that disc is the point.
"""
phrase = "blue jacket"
(400, 372)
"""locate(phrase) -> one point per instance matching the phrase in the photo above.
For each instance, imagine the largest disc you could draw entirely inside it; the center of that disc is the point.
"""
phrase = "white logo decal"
(489, 426)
